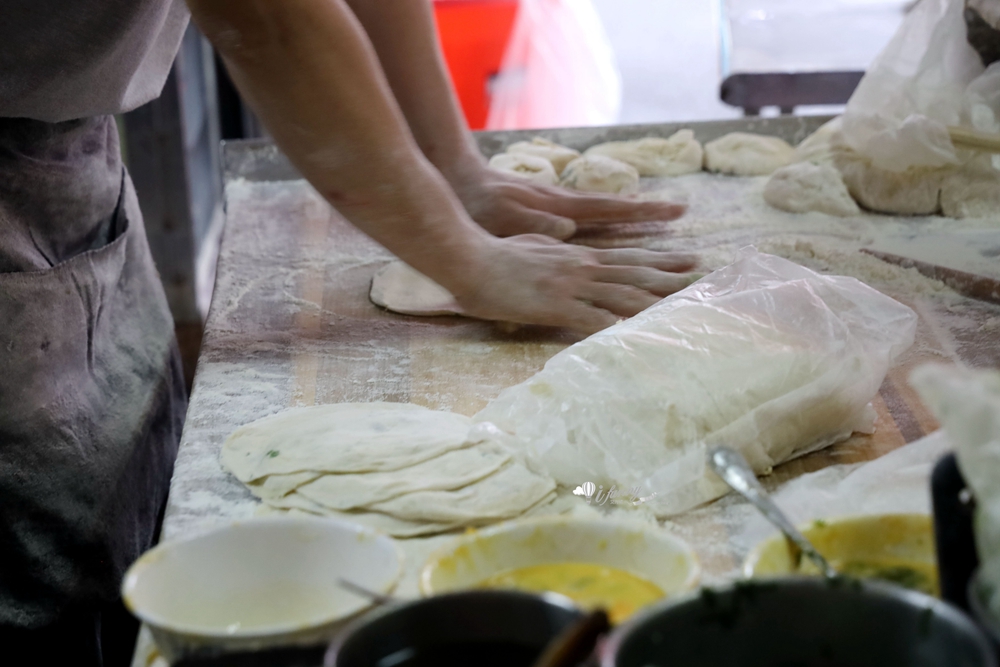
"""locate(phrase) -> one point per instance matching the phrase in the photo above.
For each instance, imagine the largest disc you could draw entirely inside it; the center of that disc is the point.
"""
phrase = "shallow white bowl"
(639, 548)
(257, 584)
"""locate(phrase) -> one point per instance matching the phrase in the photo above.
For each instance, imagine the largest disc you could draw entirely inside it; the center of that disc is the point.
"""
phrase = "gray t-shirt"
(61, 60)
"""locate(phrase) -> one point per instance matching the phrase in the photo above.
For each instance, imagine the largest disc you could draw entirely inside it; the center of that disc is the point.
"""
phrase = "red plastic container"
(474, 36)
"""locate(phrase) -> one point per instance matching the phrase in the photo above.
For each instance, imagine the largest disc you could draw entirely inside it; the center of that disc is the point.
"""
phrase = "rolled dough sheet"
(277, 486)
(297, 505)
(342, 438)
(402, 289)
(551, 504)
(451, 470)
(506, 493)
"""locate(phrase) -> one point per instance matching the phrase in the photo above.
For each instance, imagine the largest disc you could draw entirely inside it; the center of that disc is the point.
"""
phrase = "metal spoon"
(737, 473)
(358, 589)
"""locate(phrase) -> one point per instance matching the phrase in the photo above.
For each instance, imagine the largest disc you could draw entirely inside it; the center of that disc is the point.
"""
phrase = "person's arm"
(405, 39)
(312, 77)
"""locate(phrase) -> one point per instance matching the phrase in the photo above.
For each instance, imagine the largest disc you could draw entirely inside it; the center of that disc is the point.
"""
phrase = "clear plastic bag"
(558, 71)
(915, 89)
(762, 355)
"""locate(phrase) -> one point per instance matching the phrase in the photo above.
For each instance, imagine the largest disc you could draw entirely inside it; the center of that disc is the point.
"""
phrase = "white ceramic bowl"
(638, 548)
(257, 584)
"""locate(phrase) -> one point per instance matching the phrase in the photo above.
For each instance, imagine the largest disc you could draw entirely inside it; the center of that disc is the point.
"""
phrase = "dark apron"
(91, 392)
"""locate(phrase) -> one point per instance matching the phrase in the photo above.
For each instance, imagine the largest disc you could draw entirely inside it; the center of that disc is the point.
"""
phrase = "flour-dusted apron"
(91, 394)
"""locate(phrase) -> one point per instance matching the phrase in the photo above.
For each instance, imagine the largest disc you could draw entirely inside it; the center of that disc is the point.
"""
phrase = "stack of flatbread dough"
(400, 468)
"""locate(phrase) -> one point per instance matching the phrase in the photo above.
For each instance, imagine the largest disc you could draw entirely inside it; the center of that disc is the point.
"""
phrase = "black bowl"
(481, 628)
(800, 622)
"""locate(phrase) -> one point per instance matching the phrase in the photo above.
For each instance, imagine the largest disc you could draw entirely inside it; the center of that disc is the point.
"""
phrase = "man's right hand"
(534, 279)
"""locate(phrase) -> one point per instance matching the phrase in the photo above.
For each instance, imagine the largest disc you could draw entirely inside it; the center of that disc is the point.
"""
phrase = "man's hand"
(534, 279)
(507, 205)
(337, 122)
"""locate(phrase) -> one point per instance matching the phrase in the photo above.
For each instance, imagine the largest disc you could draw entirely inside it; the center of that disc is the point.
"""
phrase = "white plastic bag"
(762, 355)
(558, 71)
(967, 403)
(899, 114)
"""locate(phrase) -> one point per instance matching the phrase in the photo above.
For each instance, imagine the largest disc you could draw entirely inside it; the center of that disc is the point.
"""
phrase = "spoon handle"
(737, 473)
(358, 589)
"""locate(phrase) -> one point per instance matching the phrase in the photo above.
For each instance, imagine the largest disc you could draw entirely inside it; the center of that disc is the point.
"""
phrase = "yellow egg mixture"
(588, 584)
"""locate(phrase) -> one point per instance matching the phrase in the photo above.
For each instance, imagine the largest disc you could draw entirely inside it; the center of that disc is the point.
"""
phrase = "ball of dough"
(803, 187)
(916, 191)
(972, 191)
(402, 289)
(596, 173)
(535, 169)
(559, 156)
(653, 156)
(743, 154)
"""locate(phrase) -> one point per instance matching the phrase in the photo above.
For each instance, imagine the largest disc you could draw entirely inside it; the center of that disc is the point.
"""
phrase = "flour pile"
(399, 468)
(762, 355)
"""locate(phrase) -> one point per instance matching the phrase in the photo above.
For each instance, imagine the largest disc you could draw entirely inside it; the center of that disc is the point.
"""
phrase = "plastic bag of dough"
(897, 117)
(558, 70)
(967, 403)
(763, 355)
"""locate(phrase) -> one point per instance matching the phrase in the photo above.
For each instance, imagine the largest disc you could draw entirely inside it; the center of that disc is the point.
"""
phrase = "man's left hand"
(508, 206)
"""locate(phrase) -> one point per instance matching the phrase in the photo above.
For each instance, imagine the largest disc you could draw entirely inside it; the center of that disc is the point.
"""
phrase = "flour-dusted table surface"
(291, 323)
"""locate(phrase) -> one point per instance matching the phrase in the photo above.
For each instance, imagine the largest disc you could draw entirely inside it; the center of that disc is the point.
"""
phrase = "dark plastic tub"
(800, 622)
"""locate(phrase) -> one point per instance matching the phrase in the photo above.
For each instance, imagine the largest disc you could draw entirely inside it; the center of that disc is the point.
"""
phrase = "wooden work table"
(291, 325)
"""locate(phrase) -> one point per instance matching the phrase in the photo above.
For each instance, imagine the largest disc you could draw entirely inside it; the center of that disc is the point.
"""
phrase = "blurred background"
(517, 64)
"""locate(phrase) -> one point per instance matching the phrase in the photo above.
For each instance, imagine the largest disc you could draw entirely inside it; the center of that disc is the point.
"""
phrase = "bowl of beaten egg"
(257, 584)
(620, 566)
(897, 548)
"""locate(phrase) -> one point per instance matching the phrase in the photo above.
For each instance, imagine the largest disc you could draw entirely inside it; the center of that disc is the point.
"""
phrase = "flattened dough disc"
(452, 470)
(342, 438)
(402, 289)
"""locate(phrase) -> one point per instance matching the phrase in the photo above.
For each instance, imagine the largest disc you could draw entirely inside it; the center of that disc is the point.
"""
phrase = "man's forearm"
(309, 72)
(405, 39)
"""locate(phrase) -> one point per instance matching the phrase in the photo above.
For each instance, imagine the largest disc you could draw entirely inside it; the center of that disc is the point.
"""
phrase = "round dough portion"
(558, 155)
(654, 156)
(535, 169)
(804, 187)
(972, 191)
(744, 154)
(916, 191)
(597, 173)
(402, 289)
